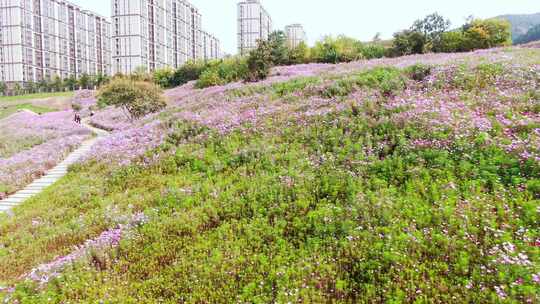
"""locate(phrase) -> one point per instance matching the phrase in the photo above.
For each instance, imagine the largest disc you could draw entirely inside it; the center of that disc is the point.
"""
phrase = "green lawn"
(36, 96)
(6, 111)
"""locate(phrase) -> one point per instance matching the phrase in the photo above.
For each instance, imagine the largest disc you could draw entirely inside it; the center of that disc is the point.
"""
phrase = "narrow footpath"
(53, 175)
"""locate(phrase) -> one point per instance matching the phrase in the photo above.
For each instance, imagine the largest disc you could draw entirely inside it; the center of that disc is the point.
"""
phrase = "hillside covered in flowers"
(404, 180)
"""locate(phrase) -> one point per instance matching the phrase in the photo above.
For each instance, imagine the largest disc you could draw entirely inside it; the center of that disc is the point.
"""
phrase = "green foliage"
(418, 72)
(85, 81)
(3, 88)
(190, 71)
(136, 98)
(219, 72)
(388, 80)
(299, 54)
(70, 83)
(300, 214)
(534, 187)
(210, 77)
(279, 51)
(479, 78)
(453, 41)
(408, 42)
(483, 34)
(259, 62)
(432, 27)
(430, 34)
(293, 86)
(335, 50)
(372, 51)
(164, 77)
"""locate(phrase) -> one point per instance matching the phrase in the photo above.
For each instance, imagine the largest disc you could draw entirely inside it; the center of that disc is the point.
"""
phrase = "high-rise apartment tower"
(254, 23)
(151, 34)
(42, 39)
(295, 35)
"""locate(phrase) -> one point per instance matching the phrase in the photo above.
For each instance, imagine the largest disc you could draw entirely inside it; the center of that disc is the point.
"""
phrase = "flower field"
(405, 180)
(31, 144)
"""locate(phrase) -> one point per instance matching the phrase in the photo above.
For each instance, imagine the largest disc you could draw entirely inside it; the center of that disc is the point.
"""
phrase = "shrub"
(418, 72)
(210, 77)
(76, 107)
(190, 71)
(136, 98)
(259, 62)
(278, 48)
(300, 54)
(483, 34)
(408, 42)
(163, 77)
(534, 187)
(451, 42)
(335, 50)
(387, 80)
(371, 51)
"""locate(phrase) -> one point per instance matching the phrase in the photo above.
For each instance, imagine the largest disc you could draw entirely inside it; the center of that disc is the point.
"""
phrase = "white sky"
(356, 18)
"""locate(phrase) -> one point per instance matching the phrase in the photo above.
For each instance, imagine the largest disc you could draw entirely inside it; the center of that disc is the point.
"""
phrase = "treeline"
(433, 34)
(269, 53)
(56, 84)
(430, 34)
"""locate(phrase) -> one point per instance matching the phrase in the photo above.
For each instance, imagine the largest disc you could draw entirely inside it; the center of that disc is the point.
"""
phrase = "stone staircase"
(53, 175)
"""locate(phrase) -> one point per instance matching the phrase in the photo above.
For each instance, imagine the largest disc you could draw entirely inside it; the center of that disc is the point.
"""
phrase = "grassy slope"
(7, 110)
(288, 211)
(35, 96)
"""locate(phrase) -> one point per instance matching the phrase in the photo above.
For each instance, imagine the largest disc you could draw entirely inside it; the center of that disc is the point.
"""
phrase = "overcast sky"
(356, 18)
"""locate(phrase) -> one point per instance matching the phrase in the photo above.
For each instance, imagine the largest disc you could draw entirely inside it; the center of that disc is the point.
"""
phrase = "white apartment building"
(157, 33)
(254, 23)
(295, 35)
(42, 39)
(211, 46)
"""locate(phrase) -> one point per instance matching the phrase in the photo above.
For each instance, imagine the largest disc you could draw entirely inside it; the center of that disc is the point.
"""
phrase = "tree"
(17, 89)
(70, 82)
(101, 79)
(432, 27)
(408, 42)
(191, 70)
(279, 50)
(259, 62)
(483, 34)
(136, 98)
(42, 85)
(85, 81)
(451, 42)
(57, 84)
(3, 88)
(299, 54)
(163, 77)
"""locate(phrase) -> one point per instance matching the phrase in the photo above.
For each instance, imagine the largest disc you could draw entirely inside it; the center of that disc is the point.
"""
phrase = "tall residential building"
(295, 35)
(211, 46)
(254, 23)
(152, 34)
(42, 39)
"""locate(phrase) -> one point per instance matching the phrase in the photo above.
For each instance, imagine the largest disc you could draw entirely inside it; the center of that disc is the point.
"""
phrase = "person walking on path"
(77, 118)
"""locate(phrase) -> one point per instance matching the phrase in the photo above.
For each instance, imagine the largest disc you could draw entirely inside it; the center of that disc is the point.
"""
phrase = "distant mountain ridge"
(521, 23)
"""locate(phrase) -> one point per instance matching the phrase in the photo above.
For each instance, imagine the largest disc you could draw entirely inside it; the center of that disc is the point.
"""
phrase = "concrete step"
(30, 192)
(53, 175)
(20, 196)
(12, 200)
